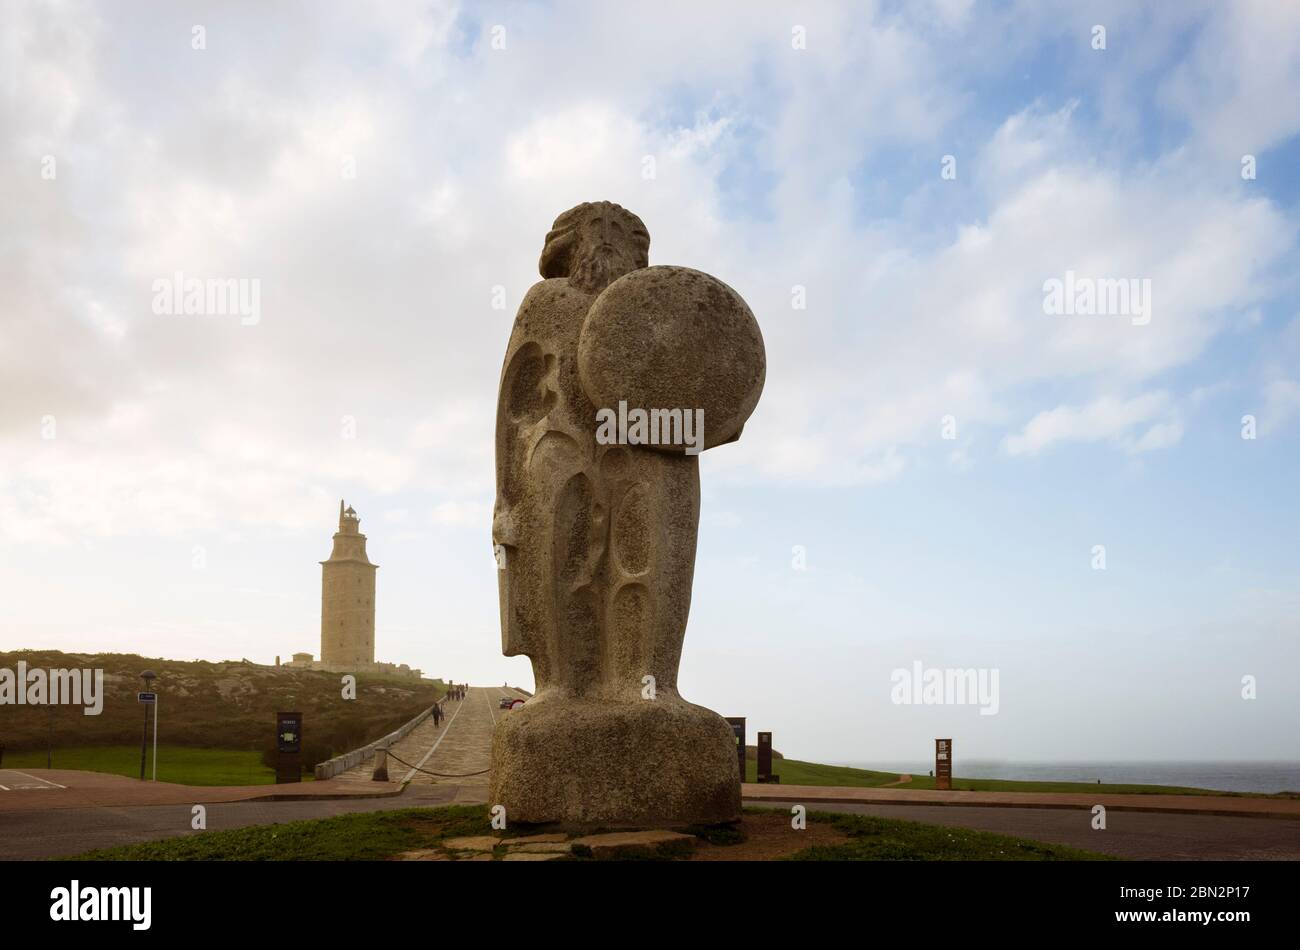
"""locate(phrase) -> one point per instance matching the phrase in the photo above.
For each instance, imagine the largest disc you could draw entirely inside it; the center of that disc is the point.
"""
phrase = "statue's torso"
(601, 538)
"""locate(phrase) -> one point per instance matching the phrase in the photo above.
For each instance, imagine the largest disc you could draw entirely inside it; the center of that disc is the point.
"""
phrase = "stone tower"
(347, 603)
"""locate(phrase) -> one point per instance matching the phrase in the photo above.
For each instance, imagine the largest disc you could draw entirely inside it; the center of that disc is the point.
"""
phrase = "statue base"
(615, 763)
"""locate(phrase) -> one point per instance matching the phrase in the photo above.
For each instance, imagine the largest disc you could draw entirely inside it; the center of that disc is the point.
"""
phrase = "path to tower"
(459, 749)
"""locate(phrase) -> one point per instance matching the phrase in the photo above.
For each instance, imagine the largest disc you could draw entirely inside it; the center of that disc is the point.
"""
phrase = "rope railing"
(438, 774)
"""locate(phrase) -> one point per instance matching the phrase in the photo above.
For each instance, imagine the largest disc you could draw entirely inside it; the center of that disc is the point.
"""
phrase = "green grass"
(887, 839)
(369, 836)
(183, 765)
(1008, 785)
(373, 836)
(794, 772)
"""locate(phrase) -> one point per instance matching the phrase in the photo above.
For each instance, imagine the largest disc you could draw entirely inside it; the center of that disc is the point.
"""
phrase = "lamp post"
(148, 676)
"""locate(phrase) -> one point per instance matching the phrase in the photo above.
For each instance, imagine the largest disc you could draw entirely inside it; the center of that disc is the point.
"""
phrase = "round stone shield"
(670, 338)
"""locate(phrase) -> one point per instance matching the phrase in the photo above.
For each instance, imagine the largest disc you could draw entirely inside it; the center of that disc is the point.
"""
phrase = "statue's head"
(594, 244)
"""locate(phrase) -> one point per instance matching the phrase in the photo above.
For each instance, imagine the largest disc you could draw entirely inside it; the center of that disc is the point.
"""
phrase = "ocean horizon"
(1224, 776)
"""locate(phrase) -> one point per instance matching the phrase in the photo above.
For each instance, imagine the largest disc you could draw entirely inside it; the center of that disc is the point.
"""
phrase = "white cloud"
(1234, 84)
(462, 513)
(1281, 404)
(1107, 418)
(376, 291)
(724, 519)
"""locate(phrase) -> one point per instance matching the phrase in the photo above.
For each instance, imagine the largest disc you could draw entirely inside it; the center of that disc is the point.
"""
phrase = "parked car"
(505, 702)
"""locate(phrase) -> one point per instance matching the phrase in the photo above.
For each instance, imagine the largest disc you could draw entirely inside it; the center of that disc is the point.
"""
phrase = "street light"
(148, 676)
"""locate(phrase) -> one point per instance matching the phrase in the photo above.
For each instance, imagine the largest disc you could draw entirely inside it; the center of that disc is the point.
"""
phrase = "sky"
(1101, 507)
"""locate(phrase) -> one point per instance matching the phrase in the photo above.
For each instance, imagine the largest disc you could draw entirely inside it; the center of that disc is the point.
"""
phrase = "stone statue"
(616, 376)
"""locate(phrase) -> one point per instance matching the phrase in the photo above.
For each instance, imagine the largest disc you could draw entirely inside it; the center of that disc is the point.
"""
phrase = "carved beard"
(598, 268)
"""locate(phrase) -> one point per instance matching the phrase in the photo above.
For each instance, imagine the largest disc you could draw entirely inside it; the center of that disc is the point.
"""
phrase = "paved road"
(54, 789)
(1231, 806)
(1137, 835)
(1128, 834)
(30, 835)
(11, 780)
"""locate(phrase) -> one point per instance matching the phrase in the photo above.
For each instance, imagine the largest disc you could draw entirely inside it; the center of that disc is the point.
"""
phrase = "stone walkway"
(459, 750)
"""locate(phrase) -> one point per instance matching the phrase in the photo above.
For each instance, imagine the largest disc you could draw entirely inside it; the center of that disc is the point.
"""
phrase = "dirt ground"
(769, 837)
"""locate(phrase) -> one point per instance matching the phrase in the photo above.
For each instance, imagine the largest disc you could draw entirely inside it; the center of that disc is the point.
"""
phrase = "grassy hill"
(205, 705)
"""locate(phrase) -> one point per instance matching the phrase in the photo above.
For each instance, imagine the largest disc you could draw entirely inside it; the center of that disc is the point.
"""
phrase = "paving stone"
(542, 847)
(473, 843)
(530, 856)
(537, 839)
(424, 854)
(608, 845)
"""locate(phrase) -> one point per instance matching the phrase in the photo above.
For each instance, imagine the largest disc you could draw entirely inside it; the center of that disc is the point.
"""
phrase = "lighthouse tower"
(347, 603)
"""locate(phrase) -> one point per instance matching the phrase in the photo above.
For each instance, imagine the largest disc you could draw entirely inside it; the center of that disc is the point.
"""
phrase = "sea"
(1220, 776)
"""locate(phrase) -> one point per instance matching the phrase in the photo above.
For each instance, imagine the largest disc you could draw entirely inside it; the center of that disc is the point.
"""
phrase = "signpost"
(943, 764)
(147, 699)
(737, 724)
(288, 745)
(765, 760)
(150, 699)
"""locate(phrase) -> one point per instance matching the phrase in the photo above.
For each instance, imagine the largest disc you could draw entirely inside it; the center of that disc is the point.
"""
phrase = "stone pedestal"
(631, 763)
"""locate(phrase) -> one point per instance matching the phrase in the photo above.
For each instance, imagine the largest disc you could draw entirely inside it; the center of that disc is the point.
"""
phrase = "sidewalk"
(69, 788)
(811, 795)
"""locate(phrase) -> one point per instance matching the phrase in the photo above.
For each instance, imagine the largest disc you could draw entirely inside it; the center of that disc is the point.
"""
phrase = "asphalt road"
(11, 780)
(1128, 834)
(1137, 835)
(29, 835)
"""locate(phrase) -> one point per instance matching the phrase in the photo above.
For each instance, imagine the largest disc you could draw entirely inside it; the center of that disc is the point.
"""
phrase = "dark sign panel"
(288, 744)
(147, 697)
(765, 757)
(737, 724)
(943, 763)
(288, 732)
